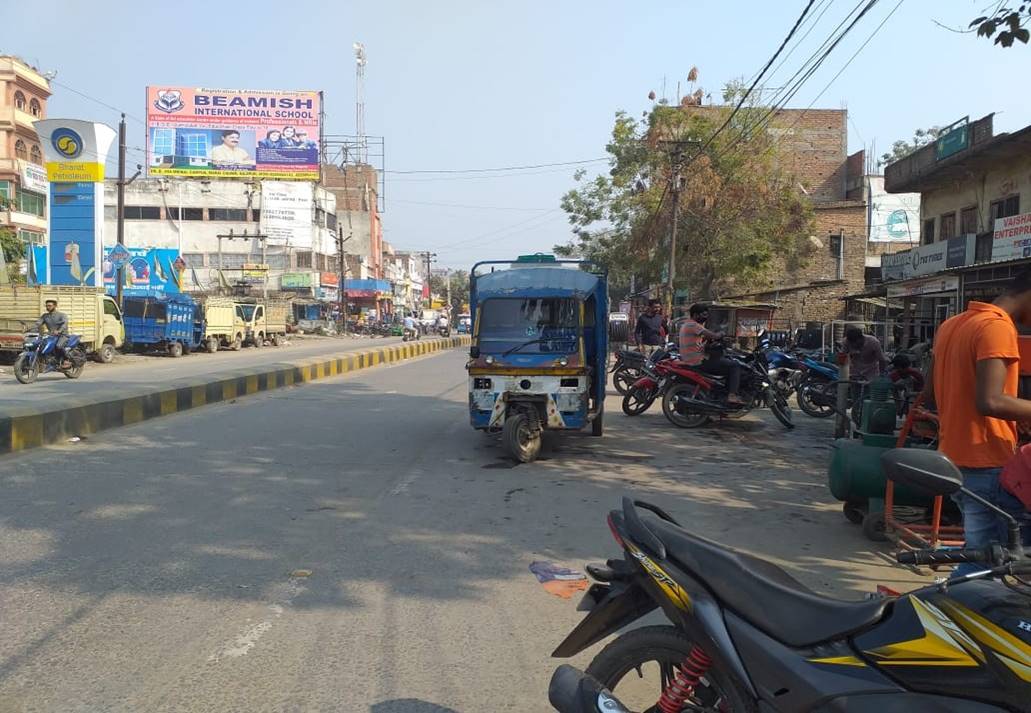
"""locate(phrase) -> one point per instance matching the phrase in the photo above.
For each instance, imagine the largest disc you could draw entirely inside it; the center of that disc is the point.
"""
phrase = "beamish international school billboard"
(226, 133)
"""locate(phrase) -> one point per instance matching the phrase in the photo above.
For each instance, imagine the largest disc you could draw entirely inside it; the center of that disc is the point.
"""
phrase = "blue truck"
(170, 323)
(539, 349)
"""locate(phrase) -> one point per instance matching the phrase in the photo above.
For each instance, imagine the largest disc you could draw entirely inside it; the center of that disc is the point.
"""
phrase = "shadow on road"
(408, 705)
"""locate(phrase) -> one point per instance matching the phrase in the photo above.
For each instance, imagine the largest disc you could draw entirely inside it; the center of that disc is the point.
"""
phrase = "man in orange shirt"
(973, 381)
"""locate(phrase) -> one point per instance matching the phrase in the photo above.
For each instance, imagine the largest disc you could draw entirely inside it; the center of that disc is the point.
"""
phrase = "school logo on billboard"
(169, 101)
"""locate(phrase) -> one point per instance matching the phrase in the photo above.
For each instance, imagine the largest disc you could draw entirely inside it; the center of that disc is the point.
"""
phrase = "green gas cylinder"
(878, 408)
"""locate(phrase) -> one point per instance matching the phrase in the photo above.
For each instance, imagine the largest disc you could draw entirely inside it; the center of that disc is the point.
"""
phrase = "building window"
(1004, 208)
(21, 150)
(278, 262)
(947, 227)
(36, 156)
(31, 238)
(19, 101)
(331, 221)
(320, 217)
(304, 259)
(34, 107)
(29, 202)
(5, 194)
(255, 215)
(194, 259)
(238, 215)
(928, 235)
(187, 213)
(968, 220)
(229, 260)
(142, 212)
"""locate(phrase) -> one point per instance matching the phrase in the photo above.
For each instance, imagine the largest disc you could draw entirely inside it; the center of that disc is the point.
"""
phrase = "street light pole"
(121, 205)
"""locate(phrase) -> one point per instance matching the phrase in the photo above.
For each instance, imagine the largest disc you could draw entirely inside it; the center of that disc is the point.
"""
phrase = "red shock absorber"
(682, 686)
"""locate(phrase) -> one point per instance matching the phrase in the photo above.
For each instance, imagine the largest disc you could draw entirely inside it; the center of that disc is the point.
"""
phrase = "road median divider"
(25, 427)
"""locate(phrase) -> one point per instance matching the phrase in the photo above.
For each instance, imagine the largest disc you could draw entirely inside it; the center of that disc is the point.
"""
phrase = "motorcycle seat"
(765, 595)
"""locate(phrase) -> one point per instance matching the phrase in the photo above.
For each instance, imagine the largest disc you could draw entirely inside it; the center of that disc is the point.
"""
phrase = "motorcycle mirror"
(929, 472)
(474, 352)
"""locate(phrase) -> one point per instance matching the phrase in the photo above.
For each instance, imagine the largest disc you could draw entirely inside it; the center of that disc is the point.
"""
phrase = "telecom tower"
(359, 104)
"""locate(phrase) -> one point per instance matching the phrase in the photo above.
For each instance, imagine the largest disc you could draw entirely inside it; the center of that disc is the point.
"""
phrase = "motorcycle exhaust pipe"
(687, 403)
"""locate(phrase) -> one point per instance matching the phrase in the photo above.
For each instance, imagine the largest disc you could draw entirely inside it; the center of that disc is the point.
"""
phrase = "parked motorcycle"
(743, 635)
(785, 372)
(655, 379)
(628, 365)
(699, 396)
(39, 356)
(817, 390)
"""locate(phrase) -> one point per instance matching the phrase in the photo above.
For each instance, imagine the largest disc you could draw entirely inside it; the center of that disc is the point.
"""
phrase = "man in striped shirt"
(692, 351)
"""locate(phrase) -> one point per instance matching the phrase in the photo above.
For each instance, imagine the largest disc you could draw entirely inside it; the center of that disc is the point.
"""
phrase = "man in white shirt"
(230, 152)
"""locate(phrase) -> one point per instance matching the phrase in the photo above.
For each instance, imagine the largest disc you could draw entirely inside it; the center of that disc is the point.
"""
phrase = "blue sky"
(457, 85)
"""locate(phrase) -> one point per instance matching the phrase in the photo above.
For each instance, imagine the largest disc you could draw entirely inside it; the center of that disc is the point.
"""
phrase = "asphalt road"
(352, 545)
(148, 370)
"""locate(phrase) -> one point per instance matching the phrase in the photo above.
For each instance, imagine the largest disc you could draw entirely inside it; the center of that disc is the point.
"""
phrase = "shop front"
(372, 299)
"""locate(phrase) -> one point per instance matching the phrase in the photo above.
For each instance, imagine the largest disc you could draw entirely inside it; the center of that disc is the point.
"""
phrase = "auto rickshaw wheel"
(520, 438)
(175, 349)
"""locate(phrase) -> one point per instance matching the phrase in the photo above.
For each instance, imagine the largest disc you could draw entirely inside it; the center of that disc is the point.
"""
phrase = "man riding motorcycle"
(693, 353)
(411, 329)
(56, 324)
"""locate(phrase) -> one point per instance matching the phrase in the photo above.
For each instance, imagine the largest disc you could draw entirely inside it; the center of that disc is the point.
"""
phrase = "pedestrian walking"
(650, 328)
(973, 380)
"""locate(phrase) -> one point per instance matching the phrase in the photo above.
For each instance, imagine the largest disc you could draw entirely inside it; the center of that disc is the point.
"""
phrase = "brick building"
(813, 147)
(23, 187)
(355, 188)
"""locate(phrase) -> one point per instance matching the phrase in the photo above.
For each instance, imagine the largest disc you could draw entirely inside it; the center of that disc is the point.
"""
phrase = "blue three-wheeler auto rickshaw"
(539, 349)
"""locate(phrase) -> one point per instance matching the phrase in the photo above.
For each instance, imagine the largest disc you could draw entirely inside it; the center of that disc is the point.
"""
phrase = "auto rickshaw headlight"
(489, 359)
(563, 361)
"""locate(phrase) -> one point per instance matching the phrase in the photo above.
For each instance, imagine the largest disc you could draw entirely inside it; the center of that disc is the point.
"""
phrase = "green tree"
(1012, 20)
(459, 287)
(13, 252)
(900, 149)
(741, 216)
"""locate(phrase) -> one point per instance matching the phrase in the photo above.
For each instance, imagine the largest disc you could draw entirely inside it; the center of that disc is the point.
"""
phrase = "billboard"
(894, 217)
(219, 133)
(147, 271)
(1012, 238)
(287, 213)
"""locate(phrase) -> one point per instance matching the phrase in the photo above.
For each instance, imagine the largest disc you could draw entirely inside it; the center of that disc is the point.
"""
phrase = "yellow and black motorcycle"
(746, 637)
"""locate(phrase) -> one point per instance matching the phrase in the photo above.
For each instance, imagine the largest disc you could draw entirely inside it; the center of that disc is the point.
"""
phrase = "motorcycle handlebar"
(935, 557)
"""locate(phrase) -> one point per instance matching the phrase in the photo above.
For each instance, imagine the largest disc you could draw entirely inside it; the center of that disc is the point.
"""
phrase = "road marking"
(402, 485)
(250, 636)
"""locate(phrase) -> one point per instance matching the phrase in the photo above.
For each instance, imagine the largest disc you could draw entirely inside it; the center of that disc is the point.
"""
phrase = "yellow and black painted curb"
(31, 429)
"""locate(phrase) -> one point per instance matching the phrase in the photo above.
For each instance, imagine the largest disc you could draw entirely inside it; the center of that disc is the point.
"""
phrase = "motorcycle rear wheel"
(24, 371)
(656, 652)
(805, 398)
(681, 420)
(623, 379)
(78, 359)
(779, 406)
(638, 400)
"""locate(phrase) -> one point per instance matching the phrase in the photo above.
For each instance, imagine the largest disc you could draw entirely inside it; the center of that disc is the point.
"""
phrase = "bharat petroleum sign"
(75, 150)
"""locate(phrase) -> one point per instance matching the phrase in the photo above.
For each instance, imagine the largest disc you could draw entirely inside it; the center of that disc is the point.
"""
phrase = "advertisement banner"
(287, 213)
(1012, 238)
(219, 133)
(928, 259)
(927, 286)
(147, 271)
(894, 217)
(296, 280)
(33, 177)
(329, 279)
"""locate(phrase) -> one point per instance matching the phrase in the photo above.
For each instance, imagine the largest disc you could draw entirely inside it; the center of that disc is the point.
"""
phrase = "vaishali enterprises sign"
(1012, 238)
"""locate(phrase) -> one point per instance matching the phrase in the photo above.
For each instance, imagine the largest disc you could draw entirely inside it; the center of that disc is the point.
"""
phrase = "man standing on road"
(649, 328)
(973, 380)
(56, 324)
(865, 355)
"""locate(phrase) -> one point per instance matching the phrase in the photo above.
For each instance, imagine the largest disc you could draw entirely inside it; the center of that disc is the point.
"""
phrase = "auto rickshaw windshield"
(531, 325)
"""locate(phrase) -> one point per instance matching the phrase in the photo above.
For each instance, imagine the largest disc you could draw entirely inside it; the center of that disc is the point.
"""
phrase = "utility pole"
(231, 236)
(121, 204)
(428, 257)
(122, 183)
(342, 277)
(676, 158)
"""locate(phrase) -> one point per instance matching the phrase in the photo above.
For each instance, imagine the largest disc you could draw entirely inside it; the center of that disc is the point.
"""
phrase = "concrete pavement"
(355, 546)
